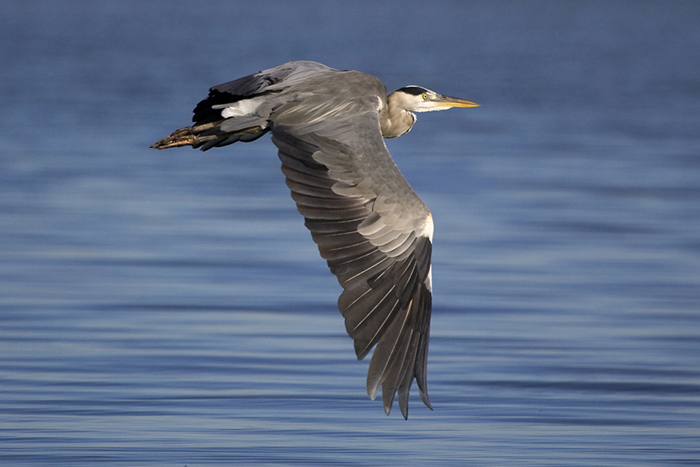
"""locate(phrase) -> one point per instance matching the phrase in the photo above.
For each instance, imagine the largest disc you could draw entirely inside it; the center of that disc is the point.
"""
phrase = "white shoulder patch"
(380, 104)
(427, 228)
(241, 108)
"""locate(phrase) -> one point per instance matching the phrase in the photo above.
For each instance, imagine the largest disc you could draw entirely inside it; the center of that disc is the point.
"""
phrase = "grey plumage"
(369, 224)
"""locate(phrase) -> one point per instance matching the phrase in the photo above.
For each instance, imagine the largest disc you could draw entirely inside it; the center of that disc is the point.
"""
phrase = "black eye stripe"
(415, 90)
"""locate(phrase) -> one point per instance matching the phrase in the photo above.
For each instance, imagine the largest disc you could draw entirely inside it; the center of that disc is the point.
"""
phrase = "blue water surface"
(169, 308)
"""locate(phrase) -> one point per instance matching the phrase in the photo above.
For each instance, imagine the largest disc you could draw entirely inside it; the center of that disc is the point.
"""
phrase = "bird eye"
(425, 96)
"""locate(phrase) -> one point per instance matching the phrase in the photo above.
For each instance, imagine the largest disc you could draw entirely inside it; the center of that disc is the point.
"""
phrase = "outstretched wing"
(258, 84)
(373, 230)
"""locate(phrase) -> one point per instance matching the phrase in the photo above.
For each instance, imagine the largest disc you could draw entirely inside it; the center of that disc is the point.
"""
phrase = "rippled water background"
(169, 308)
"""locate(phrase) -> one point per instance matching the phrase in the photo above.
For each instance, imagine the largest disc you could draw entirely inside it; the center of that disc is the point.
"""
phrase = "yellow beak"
(450, 102)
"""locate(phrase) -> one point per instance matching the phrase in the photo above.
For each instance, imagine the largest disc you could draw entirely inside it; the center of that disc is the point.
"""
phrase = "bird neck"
(397, 120)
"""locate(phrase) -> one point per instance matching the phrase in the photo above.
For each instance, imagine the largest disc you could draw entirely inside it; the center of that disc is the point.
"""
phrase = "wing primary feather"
(364, 342)
(371, 313)
(420, 369)
(395, 367)
(407, 374)
(382, 355)
(364, 272)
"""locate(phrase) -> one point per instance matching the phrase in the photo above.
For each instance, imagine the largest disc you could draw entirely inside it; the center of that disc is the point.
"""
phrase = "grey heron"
(370, 226)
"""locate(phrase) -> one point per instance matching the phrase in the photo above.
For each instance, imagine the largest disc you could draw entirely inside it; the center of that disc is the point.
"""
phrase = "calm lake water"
(169, 308)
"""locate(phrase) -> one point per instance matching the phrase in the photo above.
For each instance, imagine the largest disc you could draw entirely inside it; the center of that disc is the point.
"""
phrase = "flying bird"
(370, 226)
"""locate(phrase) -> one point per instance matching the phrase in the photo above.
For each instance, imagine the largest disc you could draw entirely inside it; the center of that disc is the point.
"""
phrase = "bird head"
(420, 99)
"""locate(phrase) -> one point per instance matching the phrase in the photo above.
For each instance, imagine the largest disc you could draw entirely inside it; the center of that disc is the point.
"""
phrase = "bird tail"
(216, 134)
